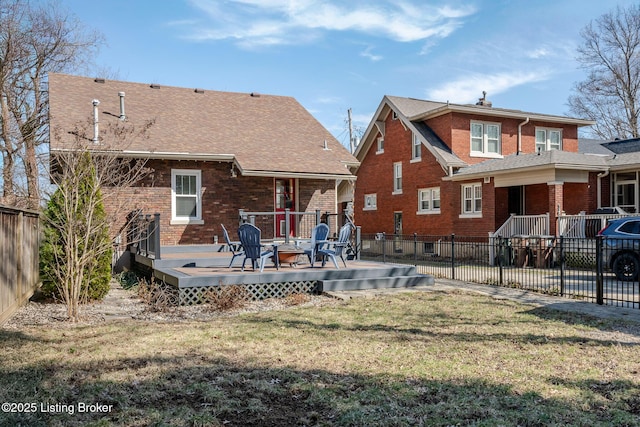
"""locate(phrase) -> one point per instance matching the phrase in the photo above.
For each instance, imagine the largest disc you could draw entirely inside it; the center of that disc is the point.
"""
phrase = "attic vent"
(154, 86)
(98, 80)
(199, 90)
(255, 94)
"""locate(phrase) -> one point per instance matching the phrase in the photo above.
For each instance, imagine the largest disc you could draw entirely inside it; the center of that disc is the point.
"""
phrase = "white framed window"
(370, 202)
(416, 148)
(380, 142)
(397, 178)
(485, 139)
(472, 200)
(548, 139)
(186, 200)
(429, 200)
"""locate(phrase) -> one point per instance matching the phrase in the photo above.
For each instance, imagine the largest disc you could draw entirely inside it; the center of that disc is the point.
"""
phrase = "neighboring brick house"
(212, 153)
(439, 168)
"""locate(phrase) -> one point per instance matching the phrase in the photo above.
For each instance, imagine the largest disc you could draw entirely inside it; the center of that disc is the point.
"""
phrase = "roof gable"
(262, 133)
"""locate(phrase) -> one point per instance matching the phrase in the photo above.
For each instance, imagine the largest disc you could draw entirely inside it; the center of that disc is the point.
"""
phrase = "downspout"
(520, 135)
(599, 187)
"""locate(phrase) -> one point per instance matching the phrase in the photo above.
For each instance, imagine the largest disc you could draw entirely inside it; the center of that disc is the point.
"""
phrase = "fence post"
(252, 219)
(156, 235)
(415, 249)
(501, 254)
(562, 266)
(358, 241)
(453, 257)
(384, 247)
(599, 278)
(287, 224)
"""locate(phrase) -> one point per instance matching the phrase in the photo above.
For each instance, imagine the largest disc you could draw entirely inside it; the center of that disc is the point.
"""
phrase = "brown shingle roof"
(265, 134)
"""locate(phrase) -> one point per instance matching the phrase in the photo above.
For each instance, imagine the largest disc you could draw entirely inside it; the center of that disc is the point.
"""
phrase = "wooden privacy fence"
(19, 258)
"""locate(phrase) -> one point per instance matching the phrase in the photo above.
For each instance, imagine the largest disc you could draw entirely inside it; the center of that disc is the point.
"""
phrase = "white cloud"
(367, 54)
(266, 22)
(468, 89)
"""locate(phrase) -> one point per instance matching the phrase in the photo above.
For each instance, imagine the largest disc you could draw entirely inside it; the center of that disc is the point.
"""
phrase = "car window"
(630, 227)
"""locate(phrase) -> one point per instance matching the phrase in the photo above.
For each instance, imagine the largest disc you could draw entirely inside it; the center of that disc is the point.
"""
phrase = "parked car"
(621, 247)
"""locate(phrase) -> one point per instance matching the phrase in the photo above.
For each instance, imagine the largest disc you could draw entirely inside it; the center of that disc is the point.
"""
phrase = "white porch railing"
(526, 225)
(583, 225)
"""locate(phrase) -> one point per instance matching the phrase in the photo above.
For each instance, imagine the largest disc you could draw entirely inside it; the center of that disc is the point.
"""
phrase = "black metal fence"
(577, 268)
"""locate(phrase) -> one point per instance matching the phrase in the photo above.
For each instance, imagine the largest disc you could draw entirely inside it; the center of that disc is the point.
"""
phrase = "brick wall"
(222, 198)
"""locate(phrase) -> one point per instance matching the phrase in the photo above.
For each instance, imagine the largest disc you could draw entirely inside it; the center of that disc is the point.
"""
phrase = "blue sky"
(336, 55)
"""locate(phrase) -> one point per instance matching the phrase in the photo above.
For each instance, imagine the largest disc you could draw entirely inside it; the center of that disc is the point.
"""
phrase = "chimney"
(96, 132)
(483, 101)
(122, 115)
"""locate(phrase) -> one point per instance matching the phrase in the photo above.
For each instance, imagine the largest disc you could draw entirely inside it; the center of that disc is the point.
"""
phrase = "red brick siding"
(222, 198)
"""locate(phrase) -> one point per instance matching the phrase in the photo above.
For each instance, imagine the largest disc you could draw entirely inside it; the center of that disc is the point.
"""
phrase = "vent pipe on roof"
(96, 130)
(483, 101)
(255, 94)
(122, 115)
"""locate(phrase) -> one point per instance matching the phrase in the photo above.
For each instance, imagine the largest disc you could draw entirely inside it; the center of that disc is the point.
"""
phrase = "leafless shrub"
(159, 296)
(226, 297)
(296, 298)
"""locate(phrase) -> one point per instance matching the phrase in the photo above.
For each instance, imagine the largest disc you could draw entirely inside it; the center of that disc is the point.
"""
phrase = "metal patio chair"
(249, 236)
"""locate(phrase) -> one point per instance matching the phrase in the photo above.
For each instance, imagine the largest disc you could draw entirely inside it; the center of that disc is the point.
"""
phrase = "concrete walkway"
(524, 297)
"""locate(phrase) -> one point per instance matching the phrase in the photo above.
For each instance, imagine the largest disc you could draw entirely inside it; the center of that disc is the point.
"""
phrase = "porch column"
(556, 205)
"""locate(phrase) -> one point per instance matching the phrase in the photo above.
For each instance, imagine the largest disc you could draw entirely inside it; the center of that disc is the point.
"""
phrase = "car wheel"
(626, 266)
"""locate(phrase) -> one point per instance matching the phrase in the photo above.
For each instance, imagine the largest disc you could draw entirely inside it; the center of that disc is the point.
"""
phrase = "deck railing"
(144, 235)
(584, 225)
(524, 225)
(289, 224)
(19, 251)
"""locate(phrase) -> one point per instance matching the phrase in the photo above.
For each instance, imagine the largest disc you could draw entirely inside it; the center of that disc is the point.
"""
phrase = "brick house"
(211, 153)
(439, 168)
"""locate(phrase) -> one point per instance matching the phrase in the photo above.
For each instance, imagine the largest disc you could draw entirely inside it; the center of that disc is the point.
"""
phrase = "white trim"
(373, 206)
(485, 140)
(431, 209)
(196, 220)
(415, 142)
(472, 213)
(547, 130)
(397, 175)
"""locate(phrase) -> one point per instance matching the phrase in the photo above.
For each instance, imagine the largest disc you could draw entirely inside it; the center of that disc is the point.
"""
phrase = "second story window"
(370, 202)
(397, 178)
(380, 141)
(548, 139)
(485, 139)
(416, 149)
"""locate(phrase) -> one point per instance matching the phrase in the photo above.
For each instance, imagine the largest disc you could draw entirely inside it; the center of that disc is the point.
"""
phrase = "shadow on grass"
(188, 391)
(564, 312)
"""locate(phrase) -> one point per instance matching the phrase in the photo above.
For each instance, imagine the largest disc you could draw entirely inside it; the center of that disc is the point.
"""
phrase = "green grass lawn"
(409, 359)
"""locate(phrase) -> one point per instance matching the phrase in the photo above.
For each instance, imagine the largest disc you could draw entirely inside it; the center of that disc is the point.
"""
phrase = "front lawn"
(402, 360)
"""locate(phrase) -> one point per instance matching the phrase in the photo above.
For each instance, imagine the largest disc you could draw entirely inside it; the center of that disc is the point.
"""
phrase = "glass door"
(284, 199)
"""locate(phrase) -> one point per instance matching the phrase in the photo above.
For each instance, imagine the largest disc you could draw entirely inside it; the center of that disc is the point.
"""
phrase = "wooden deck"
(195, 267)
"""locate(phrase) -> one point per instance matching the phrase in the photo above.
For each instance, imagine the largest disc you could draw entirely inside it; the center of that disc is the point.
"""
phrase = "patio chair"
(249, 236)
(234, 247)
(318, 239)
(338, 247)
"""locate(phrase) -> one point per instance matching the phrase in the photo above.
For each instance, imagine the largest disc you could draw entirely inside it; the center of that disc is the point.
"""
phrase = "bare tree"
(34, 39)
(77, 228)
(610, 94)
